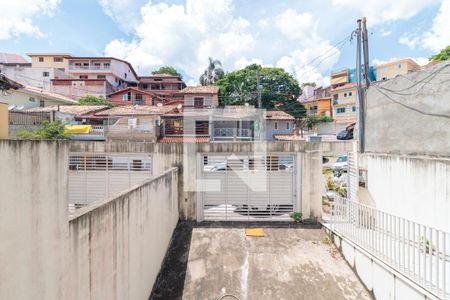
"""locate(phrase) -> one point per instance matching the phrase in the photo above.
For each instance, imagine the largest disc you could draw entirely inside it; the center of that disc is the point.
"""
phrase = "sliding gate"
(248, 187)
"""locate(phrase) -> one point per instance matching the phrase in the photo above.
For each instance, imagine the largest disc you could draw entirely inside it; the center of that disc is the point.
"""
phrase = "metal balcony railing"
(417, 251)
(232, 132)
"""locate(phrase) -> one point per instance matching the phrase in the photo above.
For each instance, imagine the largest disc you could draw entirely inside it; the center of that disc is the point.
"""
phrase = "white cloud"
(409, 40)
(385, 32)
(303, 61)
(17, 16)
(379, 11)
(435, 39)
(244, 62)
(439, 36)
(185, 36)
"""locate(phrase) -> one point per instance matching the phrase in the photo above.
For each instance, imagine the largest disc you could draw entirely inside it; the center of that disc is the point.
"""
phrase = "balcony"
(89, 67)
(232, 133)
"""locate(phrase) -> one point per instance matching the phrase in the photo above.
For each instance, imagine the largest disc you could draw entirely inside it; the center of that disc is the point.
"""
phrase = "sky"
(307, 38)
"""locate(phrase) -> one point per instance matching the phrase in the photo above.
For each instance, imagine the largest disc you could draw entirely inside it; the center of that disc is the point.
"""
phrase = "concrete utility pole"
(258, 89)
(360, 92)
(365, 42)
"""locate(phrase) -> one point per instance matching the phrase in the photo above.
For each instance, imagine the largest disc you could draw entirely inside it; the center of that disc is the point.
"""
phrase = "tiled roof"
(69, 109)
(141, 110)
(208, 89)
(278, 115)
(11, 58)
(132, 89)
(47, 94)
(185, 139)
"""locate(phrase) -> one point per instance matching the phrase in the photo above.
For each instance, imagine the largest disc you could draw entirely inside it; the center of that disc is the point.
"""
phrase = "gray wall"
(107, 250)
(394, 128)
(33, 219)
(184, 156)
(270, 128)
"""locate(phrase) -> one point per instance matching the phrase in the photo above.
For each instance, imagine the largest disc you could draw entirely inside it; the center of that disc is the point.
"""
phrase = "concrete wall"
(33, 220)
(184, 156)
(107, 250)
(117, 246)
(398, 128)
(382, 280)
(415, 188)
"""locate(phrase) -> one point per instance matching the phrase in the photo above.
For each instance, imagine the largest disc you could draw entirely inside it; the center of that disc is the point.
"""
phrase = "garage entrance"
(247, 187)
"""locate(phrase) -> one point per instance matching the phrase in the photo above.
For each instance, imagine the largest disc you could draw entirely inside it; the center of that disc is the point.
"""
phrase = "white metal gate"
(246, 187)
(94, 177)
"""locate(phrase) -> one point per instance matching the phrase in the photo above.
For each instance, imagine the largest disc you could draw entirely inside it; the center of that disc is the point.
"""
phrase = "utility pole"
(365, 45)
(258, 89)
(360, 92)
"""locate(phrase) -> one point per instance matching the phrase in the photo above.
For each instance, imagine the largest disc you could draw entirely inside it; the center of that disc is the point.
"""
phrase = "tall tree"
(279, 90)
(441, 56)
(212, 73)
(167, 70)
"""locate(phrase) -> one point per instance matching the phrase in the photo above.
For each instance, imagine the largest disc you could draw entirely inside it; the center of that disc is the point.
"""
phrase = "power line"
(411, 107)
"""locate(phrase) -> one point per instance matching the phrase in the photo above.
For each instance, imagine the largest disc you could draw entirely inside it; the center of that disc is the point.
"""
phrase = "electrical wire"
(411, 107)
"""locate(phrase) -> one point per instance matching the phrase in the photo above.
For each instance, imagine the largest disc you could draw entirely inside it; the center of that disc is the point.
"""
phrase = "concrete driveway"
(287, 263)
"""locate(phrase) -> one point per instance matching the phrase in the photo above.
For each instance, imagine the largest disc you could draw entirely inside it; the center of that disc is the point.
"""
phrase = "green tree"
(441, 56)
(212, 73)
(47, 131)
(279, 90)
(93, 100)
(167, 70)
(312, 120)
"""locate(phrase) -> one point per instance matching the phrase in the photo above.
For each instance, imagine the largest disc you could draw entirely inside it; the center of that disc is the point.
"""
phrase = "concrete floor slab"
(287, 263)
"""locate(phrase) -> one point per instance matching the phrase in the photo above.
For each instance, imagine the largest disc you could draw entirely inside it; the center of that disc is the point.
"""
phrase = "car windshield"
(342, 159)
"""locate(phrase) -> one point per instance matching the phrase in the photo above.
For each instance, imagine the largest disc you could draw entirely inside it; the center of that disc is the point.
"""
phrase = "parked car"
(345, 135)
(340, 164)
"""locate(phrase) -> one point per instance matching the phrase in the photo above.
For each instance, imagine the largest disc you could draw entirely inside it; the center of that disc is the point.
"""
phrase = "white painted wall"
(415, 188)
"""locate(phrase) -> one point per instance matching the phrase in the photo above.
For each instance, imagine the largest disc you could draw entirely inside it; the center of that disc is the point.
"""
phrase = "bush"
(92, 100)
(312, 120)
(47, 131)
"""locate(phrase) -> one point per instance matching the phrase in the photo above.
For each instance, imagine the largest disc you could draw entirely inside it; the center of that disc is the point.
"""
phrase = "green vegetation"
(93, 100)
(167, 70)
(279, 90)
(441, 56)
(296, 216)
(212, 73)
(47, 131)
(312, 120)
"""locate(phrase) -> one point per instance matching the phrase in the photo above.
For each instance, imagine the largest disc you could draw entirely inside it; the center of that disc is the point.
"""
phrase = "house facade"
(165, 88)
(391, 69)
(201, 96)
(132, 96)
(29, 97)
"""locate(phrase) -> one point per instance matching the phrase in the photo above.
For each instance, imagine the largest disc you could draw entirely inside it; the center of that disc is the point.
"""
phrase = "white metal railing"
(232, 132)
(419, 252)
(91, 67)
(142, 128)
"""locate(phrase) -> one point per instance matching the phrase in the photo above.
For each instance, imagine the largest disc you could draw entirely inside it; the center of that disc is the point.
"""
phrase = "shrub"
(47, 131)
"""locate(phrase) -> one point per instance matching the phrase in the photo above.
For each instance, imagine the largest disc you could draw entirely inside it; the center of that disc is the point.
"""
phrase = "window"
(125, 75)
(349, 94)
(340, 110)
(101, 76)
(41, 103)
(139, 99)
(83, 77)
(106, 65)
(97, 65)
(288, 125)
(32, 99)
(199, 102)
(126, 97)
(345, 95)
(399, 66)
(145, 86)
(45, 74)
(353, 108)
(41, 59)
(57, 59)
(275, 125)
(384, 78)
